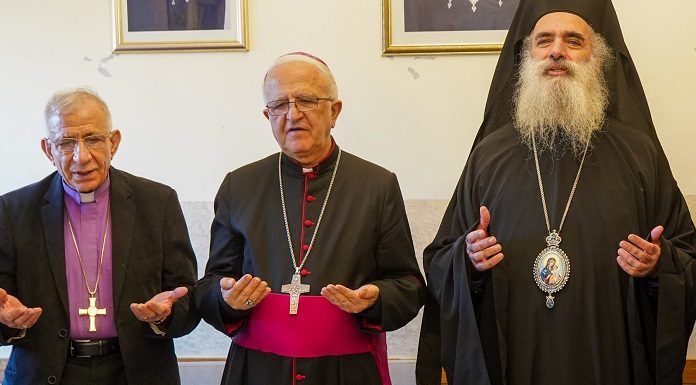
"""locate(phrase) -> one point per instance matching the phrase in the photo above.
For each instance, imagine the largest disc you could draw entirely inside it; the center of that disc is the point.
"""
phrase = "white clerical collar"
(87, 197)
(307, 170)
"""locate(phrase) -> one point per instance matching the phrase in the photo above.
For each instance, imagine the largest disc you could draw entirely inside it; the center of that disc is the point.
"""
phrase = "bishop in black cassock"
(606, 326)
(346, 222)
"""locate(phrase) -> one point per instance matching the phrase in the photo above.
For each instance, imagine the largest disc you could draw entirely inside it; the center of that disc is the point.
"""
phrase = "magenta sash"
(318, 329)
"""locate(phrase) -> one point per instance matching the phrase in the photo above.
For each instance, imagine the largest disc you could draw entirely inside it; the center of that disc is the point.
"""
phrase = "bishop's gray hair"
(317, 63)
(67, 100)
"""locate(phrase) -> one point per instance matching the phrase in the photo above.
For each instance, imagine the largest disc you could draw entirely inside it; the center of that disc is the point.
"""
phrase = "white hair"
(317, 63)
(65, 100)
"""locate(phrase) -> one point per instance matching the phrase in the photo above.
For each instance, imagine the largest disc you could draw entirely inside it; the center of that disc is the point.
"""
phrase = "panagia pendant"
(551, 268)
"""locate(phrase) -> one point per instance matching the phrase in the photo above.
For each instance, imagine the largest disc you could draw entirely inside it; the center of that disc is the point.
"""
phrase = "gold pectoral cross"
(92, 311)
(294, 288)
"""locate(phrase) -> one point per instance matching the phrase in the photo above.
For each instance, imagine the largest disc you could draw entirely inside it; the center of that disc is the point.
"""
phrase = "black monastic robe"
(606, 327)
(364, 237)
(602, 327)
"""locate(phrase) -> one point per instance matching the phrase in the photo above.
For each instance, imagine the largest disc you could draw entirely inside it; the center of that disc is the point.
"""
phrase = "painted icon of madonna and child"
(550, 274)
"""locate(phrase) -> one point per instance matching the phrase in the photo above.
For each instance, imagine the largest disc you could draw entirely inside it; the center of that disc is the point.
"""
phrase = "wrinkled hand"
(244, 293)
(14, 314)
(639, 257)
(351, 301)
(159, 307)
(484, 251)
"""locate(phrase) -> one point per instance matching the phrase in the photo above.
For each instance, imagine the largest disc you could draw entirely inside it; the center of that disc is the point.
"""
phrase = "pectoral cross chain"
(92, 311)
(295, 288)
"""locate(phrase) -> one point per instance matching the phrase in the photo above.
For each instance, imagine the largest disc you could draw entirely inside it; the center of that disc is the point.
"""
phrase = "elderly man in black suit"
(95, 263)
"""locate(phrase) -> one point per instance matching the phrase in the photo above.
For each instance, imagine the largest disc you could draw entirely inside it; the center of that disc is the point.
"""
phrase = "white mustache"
(563, 110)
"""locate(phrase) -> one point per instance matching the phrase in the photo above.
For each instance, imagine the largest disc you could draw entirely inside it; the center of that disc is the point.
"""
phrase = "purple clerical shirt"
(88, 214)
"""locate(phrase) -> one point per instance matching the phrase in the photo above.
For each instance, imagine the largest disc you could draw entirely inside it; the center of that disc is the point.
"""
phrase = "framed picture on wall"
(423, 27)
(180, 25)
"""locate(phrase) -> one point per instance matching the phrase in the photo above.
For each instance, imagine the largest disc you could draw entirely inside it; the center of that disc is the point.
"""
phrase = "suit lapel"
(52, 220)
(122, 220)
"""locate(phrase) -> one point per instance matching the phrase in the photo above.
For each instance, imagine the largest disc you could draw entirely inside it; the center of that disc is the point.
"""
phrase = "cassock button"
(62, 333)
(305, 247)
(299, 377)
(304, 272)
(52, 379)
(311, 175)
(310, 198)
(308, 223)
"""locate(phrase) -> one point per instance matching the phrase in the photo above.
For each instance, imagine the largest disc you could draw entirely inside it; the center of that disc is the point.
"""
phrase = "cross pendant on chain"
(294, 288)
(92, 311)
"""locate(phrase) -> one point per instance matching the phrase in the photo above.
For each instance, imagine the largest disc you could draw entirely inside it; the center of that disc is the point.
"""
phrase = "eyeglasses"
(92, 142)
(304, 104)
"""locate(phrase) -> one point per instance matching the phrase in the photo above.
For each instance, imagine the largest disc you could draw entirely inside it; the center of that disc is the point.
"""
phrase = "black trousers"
(102, 370)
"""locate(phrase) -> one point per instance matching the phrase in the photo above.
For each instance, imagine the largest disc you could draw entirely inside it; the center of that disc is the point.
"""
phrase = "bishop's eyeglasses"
(92, 142)
(304, 104)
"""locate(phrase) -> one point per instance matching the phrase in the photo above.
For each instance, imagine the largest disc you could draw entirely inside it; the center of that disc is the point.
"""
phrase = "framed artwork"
(180, 25)
(429, 27)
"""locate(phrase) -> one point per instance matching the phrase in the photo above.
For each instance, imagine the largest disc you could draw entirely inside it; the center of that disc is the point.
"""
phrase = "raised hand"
(14, 314)
(158, 307)
(244, 293)
(483, 251)
(351, 301)
(639, 257)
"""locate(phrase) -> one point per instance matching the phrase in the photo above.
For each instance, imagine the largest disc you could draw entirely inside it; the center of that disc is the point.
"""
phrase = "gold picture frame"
(230, 31)
(397, 41)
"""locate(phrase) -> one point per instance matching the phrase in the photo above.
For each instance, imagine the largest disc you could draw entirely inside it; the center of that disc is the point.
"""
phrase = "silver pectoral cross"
(92, 311)
(295, 288)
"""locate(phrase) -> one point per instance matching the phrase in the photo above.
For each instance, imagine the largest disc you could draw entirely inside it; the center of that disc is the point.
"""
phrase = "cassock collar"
(323, 166)
(94, 196)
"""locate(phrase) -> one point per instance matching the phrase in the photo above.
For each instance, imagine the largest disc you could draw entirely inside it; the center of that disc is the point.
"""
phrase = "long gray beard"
(561, 112)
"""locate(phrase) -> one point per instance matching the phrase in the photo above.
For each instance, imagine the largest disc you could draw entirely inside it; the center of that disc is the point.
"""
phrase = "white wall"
(188, 118)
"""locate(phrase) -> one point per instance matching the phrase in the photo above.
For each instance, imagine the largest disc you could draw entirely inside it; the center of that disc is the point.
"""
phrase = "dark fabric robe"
(602, 329)
(363, 238)
(151, 253)
(606, 327)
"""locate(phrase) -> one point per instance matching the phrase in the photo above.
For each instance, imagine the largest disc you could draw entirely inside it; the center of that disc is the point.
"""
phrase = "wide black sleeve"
(449, 334)
(401, 285)
(8, 265)
(225, 260)
(676, 305)
(178, 269)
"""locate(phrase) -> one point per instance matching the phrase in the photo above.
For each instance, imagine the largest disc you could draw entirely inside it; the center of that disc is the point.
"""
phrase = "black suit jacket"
(151, 253)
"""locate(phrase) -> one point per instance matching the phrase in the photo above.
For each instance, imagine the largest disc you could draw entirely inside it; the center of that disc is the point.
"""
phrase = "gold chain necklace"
(92, 310)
